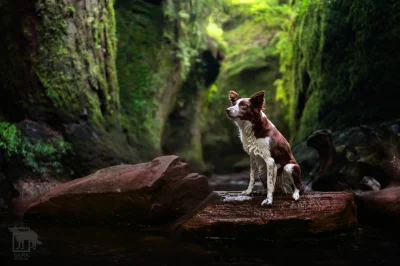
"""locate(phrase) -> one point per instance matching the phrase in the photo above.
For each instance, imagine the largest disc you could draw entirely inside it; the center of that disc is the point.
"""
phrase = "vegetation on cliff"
(343, 65)
(161, 75)
(58, 69)
(124, 81)
(39, 155)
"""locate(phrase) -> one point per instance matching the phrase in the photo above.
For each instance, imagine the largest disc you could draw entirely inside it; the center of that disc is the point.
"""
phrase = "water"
(370, 245)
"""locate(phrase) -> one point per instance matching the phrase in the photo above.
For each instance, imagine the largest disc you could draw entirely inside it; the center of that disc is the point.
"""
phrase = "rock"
(7, 191)
(31, 188)
(242, 217)
(370, 183)
(321, 140)
(346, 156)
(379, 206)
(148, 193)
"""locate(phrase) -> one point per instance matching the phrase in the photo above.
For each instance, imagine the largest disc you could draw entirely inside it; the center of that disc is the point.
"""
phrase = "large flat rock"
(232, 215)
(156, 192)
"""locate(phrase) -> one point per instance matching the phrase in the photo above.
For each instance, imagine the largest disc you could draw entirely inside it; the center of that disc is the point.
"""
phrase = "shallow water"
(370, 245)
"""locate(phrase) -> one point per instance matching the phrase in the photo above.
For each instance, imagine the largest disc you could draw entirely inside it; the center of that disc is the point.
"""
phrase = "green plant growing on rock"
(10, 138)
(41, 156)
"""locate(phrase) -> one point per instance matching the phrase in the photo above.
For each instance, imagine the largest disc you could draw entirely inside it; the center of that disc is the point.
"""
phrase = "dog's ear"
(233, 97)
(257, 100)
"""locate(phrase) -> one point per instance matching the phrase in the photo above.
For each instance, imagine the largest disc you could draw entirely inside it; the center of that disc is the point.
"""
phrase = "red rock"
(236, 216)
(380, 205)
(149, 193)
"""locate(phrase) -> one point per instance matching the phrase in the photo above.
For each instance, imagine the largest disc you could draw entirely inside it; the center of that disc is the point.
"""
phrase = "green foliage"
(339, 72)
(10, 139)
(40, 155)
(142, 63)
(71, 10)
(192, 16)
(215, 31)
(158, 47)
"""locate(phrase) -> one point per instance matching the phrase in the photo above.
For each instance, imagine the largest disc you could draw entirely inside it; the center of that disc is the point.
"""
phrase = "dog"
(270, 153)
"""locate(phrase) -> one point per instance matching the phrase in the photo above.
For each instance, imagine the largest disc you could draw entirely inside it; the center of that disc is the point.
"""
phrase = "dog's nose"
(227, 110)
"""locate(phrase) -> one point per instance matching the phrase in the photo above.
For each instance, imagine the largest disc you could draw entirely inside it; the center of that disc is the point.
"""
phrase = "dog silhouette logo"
(23, 236)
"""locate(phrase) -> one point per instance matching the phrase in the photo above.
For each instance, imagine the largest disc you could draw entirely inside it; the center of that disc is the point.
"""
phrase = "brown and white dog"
(270, 153)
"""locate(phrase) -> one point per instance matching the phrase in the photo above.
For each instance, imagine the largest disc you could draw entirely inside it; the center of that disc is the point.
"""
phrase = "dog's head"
(245, 108)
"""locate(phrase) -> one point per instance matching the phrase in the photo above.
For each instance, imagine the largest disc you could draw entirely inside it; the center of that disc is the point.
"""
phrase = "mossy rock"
(344, 69)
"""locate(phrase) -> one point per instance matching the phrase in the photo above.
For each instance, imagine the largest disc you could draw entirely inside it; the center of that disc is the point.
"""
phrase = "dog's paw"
(247, 192)
(296, 194)
(266, 202)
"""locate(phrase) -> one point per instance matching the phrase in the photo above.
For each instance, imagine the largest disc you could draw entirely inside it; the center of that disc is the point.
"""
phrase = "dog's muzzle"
(228, 113)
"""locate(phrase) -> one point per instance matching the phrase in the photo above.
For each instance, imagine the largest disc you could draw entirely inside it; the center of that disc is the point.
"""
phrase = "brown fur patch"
(233, 97)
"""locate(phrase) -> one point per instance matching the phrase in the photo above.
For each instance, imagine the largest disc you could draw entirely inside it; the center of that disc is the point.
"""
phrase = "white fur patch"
(288, 169)
(296, 194)
(234, 110)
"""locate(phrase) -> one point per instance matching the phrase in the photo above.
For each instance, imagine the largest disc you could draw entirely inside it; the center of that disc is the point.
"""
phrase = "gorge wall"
(344, 67)
(89, 84)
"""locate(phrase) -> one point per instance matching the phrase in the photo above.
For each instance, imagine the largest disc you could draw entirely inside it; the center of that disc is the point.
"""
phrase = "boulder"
(231, 215)
(380, 206)
(148, 193)
(346, 157)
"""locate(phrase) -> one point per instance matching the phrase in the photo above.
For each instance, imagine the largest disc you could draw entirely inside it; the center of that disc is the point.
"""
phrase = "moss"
(342, 72)
(59, 60)
(248, 47)
(141, 71)
(47, 61)
(10, 139)
(71, 10)
(158, 45)
(42, 156)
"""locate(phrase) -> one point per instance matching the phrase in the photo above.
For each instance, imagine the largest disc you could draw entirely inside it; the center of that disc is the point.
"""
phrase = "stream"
(370, 245)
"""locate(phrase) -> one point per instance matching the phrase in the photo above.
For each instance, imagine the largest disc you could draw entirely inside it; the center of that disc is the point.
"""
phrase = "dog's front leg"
(253, 169)
(272, 170)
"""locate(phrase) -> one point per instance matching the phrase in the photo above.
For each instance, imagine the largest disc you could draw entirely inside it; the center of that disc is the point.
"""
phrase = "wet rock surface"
(148, 193)
(242, 217)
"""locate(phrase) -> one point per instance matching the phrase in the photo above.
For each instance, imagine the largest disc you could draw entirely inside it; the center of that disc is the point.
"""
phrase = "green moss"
(71, 10)
(75, 60)
(52, 51)
(41, 156)
(341, 73)
(140, 66)
(250, 65)
(10, 139)
(158, 46)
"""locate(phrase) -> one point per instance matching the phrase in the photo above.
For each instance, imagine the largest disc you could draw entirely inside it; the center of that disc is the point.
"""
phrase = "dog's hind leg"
(292, 172)
(253, 170)
(272, 169)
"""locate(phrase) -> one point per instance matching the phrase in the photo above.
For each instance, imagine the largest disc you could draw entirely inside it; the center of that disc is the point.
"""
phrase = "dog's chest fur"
(252, 145)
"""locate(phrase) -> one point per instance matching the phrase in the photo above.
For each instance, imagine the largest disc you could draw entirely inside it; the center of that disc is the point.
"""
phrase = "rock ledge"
(234, 216)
